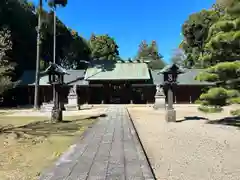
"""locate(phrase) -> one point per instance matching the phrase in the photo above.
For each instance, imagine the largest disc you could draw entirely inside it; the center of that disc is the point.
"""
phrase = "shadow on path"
(192, 118)
(229, 121)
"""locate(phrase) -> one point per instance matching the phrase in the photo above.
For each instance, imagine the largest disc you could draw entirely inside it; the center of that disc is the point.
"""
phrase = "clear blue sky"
(131, 21)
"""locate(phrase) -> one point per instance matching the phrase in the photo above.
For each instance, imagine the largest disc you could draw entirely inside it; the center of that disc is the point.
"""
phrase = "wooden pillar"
(87, 94)
(40, 94)
(44, 97)
(102, 90)
(29, 95)
(147, 94)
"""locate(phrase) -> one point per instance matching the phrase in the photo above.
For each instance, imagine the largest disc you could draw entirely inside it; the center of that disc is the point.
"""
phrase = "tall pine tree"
(218, 53)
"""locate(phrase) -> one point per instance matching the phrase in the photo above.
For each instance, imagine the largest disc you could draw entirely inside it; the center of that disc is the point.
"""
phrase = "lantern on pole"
(170, 75)
(56, 79)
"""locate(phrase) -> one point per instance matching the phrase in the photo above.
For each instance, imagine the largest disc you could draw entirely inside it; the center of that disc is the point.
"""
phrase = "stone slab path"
(110, 150)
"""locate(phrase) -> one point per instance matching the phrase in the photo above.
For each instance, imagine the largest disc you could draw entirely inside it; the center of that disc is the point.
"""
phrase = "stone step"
(46, 107)
(71, 107)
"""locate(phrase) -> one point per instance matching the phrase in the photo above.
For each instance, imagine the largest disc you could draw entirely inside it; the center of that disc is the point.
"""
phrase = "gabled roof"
(53, 67)
(28, 78)
(73, 77)
(187, 78)
(118, 71)
(157, 77)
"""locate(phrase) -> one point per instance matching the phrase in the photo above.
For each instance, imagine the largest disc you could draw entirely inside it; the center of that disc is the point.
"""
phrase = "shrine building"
(108, 82)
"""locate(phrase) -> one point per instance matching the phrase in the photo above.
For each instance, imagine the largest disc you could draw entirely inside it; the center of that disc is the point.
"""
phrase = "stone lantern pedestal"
(56, 115)
(170, 115)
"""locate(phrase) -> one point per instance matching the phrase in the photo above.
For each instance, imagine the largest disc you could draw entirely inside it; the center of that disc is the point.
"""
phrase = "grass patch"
(30, 144)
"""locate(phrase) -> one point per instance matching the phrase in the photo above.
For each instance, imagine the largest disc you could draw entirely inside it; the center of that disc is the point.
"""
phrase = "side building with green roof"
(109, 82)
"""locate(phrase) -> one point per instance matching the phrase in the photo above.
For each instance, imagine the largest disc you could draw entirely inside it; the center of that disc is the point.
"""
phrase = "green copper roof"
(73, 77)
(118, 71)
(28, 78)
(187, 78)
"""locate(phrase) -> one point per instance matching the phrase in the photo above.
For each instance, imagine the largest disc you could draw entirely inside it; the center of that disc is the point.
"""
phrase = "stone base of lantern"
(72, 103)
(72, 107)
(159, 102)
(170, 115)
(57, 115)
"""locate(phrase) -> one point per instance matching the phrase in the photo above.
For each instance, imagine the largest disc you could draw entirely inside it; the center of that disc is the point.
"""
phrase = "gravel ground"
(188, 150)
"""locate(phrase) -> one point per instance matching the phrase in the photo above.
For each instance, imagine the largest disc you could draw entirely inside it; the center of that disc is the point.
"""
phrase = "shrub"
(216, 96)
(235, 112)
(233, 93)
(198, 101)
(208, 109)
(235, 100)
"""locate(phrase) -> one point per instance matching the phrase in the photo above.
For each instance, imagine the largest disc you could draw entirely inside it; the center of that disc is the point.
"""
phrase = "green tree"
(178, 57)
(55, 3)
(195, 32)
(21, 19)
(77, 50)
(149, 53)
(5, 60)
(70, 47)
(103, 47)
(143, 51)
(224, 3)
(220, 55)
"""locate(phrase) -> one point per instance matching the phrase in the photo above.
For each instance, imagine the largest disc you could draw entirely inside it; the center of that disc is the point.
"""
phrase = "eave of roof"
(118, 71)
(73, 77)
(187, 78)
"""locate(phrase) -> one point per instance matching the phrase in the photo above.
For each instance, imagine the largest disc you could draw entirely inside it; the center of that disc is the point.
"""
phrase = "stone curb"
(48, 172)
(147, 170)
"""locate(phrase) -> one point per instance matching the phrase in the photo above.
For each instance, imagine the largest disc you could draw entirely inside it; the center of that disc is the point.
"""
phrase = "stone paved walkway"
(110, 150)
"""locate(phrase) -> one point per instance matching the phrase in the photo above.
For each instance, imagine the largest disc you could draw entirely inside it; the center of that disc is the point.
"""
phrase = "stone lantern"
(170, 75)
(56, 79)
